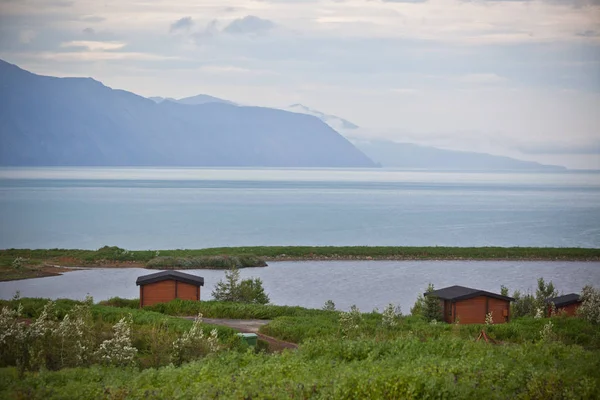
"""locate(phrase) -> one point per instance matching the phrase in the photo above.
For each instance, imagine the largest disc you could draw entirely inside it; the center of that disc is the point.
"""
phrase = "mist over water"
(139, 208)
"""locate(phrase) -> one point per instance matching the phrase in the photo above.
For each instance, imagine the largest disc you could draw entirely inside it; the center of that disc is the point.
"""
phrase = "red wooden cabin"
(470, 306)
(569, 303)
(165, 286)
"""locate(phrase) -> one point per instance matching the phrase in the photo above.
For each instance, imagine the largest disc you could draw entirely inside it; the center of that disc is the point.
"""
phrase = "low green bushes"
(206, 262)
(351, 369)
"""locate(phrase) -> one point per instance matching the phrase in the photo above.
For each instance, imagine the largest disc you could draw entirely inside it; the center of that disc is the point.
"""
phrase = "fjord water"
(149, 208)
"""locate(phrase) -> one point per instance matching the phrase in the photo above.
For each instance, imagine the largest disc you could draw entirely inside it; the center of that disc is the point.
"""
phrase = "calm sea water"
(368, 284)
(195, 208)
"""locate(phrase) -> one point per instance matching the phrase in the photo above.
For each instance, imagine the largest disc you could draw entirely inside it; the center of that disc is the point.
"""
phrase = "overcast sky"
(519, 78)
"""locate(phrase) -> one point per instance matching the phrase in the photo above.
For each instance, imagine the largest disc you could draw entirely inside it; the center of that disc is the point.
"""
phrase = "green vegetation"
(232, 289)
(206, 262)
(347, 356)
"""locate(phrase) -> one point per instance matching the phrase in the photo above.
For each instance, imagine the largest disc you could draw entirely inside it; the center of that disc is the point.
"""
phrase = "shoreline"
(46, 263)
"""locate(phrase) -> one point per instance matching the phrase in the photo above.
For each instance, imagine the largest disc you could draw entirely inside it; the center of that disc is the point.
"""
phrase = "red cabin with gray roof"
(470, 306)
(162, 287)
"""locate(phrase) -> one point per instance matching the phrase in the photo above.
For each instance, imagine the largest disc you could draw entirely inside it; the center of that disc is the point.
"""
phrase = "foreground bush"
(332, 369)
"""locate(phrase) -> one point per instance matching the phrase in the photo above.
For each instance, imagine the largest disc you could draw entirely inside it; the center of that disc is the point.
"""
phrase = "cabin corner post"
(141, 296)
(176, 287)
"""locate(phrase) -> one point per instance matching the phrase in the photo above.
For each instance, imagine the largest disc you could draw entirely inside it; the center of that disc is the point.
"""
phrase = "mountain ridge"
(48, 121)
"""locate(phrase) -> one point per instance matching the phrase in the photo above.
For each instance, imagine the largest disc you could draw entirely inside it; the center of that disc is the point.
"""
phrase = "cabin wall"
(471, 311)
(158, 292)
(474, 310)
(500, 310)
(570, 310)
(185, 291)
(165, 291)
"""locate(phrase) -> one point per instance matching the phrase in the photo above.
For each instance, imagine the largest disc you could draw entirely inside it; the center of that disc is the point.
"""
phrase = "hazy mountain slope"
(337, 123)
(193, 100)
(408, 155)
(79, 121)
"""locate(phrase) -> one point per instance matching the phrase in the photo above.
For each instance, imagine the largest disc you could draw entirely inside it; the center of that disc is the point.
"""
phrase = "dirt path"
(250, 326)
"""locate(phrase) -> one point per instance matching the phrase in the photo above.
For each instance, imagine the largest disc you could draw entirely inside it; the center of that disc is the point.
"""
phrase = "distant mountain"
(49, 121)
(194, 100)
(337, 123)
(412, 156)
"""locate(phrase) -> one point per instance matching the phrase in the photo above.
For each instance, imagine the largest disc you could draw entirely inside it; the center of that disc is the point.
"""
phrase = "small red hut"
(569, 303)
(470, 306)
(165, 286)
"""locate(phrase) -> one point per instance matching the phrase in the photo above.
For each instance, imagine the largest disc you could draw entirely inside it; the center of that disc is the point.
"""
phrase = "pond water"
(368, 284)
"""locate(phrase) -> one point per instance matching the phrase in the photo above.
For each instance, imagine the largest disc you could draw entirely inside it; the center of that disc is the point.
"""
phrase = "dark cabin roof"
(567, 299)
(170, 275)
(456, 293)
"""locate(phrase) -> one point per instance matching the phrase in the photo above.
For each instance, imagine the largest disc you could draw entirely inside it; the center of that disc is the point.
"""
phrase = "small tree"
(329, 305)
(428, 306)
(227, 290)
(503, 290)
(245, 291)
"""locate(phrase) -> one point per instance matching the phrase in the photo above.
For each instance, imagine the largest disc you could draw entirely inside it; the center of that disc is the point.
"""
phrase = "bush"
(590, 306)
(206, 262)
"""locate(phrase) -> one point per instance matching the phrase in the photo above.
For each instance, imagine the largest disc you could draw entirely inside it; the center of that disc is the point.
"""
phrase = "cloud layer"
(503, 76)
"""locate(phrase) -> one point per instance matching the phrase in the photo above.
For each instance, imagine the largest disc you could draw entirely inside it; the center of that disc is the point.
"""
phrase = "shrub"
(390, 316)
(118, 351)
(206, 262)
(194, 343)
(590, 306)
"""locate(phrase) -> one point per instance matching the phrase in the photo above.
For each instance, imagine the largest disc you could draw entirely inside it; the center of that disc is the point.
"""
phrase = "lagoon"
(368, 284)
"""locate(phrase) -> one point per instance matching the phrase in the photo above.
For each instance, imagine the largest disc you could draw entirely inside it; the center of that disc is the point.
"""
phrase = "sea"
(178, 208)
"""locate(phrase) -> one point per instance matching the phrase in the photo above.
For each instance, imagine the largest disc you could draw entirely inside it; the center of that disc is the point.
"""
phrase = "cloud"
(211, 30)
(182, 24)
(249, 24)
(89, 31)
(93, 45)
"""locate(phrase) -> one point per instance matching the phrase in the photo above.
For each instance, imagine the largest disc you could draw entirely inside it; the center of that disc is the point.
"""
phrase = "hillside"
(47, 121)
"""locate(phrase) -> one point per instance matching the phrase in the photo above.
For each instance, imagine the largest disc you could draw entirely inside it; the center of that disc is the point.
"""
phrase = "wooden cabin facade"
(470, 306)
(568, 304)
(165, 286)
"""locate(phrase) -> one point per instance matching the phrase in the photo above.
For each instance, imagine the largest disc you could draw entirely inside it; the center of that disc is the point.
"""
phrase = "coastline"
(43, 263)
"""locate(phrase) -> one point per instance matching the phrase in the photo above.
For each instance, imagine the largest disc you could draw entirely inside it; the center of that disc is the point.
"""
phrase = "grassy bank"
(409, 359)
(36, 263)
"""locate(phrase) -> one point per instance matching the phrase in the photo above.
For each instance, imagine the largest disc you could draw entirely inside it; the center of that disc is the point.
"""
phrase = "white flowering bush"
(590, 306)
(350, 321)
(118, 350)
(390, 316)
(194, 343)
(547, 333)
(75, 336)
(489, 318)
(539, 313)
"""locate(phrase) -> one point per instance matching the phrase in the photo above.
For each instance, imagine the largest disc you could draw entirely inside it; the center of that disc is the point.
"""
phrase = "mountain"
(193, 100)
(412, 156)
(49, 121)
(337, 123)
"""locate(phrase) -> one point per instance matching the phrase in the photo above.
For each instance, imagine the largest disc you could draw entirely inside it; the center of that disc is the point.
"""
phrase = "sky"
(509, 77)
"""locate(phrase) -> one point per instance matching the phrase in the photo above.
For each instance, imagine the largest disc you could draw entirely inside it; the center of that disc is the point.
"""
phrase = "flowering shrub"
(590, 306)
(194, 344)
(118, 350)
(390, 316)
(350, 321)
(547, 334)
(489, 318)
(18, 262)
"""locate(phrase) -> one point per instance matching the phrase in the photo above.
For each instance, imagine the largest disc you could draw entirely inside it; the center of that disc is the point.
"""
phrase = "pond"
(368, 284)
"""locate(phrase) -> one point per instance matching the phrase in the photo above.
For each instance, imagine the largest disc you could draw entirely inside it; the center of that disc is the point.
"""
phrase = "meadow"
(342, 355)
